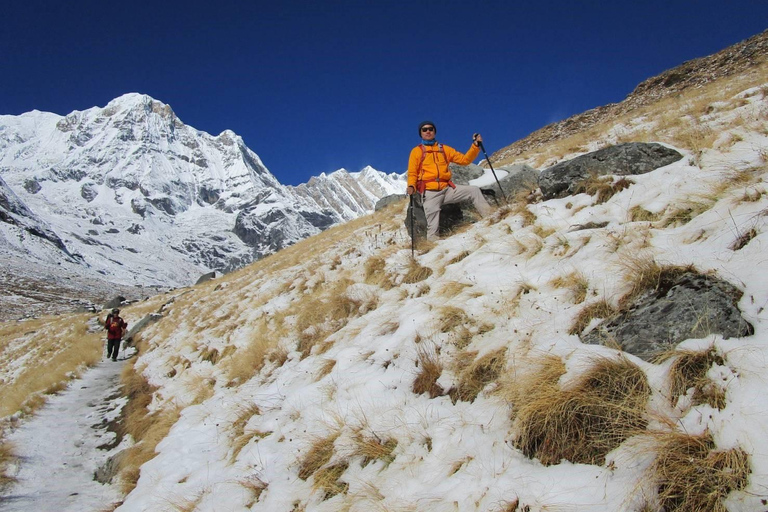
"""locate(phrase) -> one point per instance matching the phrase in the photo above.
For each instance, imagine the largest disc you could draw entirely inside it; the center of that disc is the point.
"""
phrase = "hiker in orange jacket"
(429, 175)
(115, 327)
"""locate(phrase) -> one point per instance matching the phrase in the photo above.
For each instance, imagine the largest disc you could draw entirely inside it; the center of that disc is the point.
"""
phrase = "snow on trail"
(59, 450)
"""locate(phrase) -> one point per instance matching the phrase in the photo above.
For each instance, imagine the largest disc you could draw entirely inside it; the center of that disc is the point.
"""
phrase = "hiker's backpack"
(421, 185)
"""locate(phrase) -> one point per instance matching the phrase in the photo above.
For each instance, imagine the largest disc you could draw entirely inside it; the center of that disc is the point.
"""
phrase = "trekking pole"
(413, 233)
(480, 143)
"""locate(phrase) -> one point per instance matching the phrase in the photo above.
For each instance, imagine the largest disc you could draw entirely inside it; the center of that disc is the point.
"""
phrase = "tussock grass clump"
(248, 360)
(326, 314)
(585, 421)
(328, 479)
(689, 370)
(576, 282)
(692, 475)
(318, 455)
(372, 448)
(452, 289)
(430, 369)
(475, 374)
(416, 273)
(685, 212)
(374, 272)
(240, 437)
(256, 486)
(645, 274)
(599, 309)
(459, 257)
(210, 354)
(743, 239)
(602, 188)
(452, 317)
(640, 214)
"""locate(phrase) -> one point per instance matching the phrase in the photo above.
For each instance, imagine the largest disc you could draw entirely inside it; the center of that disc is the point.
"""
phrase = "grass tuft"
(430, 369)
(693, 476)
(689, 370)
(585, 421)
(599, 309)
(372, 448)
(475, 374)
(319, 455)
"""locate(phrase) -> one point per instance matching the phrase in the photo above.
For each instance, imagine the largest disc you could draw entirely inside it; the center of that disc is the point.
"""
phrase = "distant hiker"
(430, 176)
(115, 327)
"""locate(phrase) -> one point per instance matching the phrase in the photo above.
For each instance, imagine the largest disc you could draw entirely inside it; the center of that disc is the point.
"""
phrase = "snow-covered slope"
(130, 193)
(320, 378)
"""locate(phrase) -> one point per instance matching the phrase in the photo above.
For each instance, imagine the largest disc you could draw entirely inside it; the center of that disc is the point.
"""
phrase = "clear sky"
(316, 86)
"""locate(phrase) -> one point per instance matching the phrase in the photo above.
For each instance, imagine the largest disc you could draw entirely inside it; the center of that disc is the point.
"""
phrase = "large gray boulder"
(562, 179)
(690, 306)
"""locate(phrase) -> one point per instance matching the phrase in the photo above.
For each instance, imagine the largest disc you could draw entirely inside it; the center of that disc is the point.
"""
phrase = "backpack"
(421, 185)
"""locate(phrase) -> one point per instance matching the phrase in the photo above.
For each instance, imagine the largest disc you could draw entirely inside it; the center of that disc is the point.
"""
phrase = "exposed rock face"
(623, 159)
(691, 306)
(519, 177)
(730, 61)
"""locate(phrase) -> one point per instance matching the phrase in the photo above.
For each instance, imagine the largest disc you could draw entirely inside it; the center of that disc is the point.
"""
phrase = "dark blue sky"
(316, 86)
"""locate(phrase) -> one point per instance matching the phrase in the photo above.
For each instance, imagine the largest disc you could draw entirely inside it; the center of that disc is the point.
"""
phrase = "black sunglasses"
(428, 129)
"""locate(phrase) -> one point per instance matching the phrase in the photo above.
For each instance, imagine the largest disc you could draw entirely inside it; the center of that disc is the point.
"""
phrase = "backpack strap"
(420, 174)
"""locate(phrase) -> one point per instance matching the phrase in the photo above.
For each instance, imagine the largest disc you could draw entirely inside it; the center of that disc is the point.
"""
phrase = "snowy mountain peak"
(146, 199)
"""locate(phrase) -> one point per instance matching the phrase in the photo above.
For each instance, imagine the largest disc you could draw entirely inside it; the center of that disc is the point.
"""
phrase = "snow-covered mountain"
(130, 193)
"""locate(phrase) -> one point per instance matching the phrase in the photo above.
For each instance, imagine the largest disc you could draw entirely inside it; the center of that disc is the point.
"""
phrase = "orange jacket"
(435, 171)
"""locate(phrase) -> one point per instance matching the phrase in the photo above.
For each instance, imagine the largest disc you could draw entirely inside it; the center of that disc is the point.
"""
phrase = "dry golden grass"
(318, 455)
(458, 257)
(246, 362)
(430, 369)
(328, 480)
(640, 214)
(743, 239)
(239, 436)
(689, 370)
(375, 273)
(644, 274)
(585, 421)
(693, 476)
(146, 429)
(685, 211)
(452, 289)
(372, 448)
(61, 348)
(599, 309)
(576, 282)
(416, 273)
(602, 188)
(475, 374)
(256, 486)
(325, 368)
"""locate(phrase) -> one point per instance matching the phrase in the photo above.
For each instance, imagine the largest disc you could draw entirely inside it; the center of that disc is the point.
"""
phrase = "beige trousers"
(434, 200)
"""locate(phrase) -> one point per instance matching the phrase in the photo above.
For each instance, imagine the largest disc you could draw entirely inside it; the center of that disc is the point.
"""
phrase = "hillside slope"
(343, 374)
(340, 374)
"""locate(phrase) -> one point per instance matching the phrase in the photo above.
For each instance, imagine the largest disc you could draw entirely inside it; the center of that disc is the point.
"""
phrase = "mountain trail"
(62, 446)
